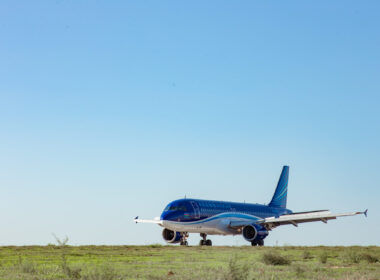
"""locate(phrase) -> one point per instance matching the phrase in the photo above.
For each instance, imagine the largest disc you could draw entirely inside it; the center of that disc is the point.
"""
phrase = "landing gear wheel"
(260, 242)
(208, 242)
(184, 236)
(254, 243)
(203, 242)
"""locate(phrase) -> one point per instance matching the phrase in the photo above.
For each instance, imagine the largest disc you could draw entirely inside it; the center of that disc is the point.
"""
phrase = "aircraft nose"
(164, 216)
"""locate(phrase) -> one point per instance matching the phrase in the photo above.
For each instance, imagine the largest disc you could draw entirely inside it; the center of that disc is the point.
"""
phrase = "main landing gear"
(184, 236)
(258, 243)
(204, 241)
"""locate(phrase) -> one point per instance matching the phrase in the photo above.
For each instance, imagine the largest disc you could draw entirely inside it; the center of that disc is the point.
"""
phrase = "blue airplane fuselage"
(190, 210)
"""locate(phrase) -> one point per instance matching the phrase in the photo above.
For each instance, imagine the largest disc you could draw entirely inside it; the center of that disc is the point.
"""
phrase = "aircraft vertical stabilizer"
(281, 192)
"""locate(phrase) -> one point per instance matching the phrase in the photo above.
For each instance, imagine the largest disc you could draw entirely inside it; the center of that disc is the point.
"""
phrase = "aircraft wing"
(296, 218)
(154, 221)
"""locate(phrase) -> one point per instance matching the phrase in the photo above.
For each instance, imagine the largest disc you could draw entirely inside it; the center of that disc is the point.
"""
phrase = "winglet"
(364, 212)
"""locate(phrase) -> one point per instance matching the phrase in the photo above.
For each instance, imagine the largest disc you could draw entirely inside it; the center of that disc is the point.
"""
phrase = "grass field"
(175, 262)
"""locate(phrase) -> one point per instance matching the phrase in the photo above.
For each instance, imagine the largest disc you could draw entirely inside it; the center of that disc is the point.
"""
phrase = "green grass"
(175, 262)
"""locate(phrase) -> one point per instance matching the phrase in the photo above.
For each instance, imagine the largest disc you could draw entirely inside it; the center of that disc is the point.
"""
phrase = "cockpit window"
(176, 207)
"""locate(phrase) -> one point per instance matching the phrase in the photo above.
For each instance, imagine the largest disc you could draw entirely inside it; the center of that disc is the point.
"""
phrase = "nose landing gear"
(204, 241)
(184, 236)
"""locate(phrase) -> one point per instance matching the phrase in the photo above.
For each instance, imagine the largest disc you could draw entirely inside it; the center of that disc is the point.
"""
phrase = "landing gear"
(184, 236)
(207, 242)
(204, 241)
(258, 243)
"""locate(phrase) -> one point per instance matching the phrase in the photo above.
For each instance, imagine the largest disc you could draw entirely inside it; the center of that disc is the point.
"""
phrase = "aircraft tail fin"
(281, 192)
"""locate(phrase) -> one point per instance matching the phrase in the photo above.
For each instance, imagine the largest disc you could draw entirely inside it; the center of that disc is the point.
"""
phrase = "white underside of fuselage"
(218, 224)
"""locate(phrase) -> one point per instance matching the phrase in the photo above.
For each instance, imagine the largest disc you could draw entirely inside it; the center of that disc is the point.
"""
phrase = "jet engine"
(249, 232)
(254, 232)
(171, 236)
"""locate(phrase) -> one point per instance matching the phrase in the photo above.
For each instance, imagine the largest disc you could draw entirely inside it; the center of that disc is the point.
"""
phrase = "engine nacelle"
(249, 232)
(254, 232)
(171, 236)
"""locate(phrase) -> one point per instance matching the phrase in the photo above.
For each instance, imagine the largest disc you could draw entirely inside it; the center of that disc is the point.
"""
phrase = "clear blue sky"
(111, 109)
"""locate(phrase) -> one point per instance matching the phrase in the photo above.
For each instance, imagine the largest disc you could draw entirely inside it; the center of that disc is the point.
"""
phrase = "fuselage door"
(196, 209)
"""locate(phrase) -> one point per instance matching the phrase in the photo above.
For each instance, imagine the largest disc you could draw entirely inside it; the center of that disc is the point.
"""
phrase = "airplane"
(253, 221)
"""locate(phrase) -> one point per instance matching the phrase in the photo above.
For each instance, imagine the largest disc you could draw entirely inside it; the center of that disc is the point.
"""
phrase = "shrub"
(352, 257)
(370, 258)
(236, 271)
(275, 259)
(306, 255)
(71, 272)
(25, 267)
(104, 272)
(156, 245)
(61, 242)
(323, 257)
(299, 271)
